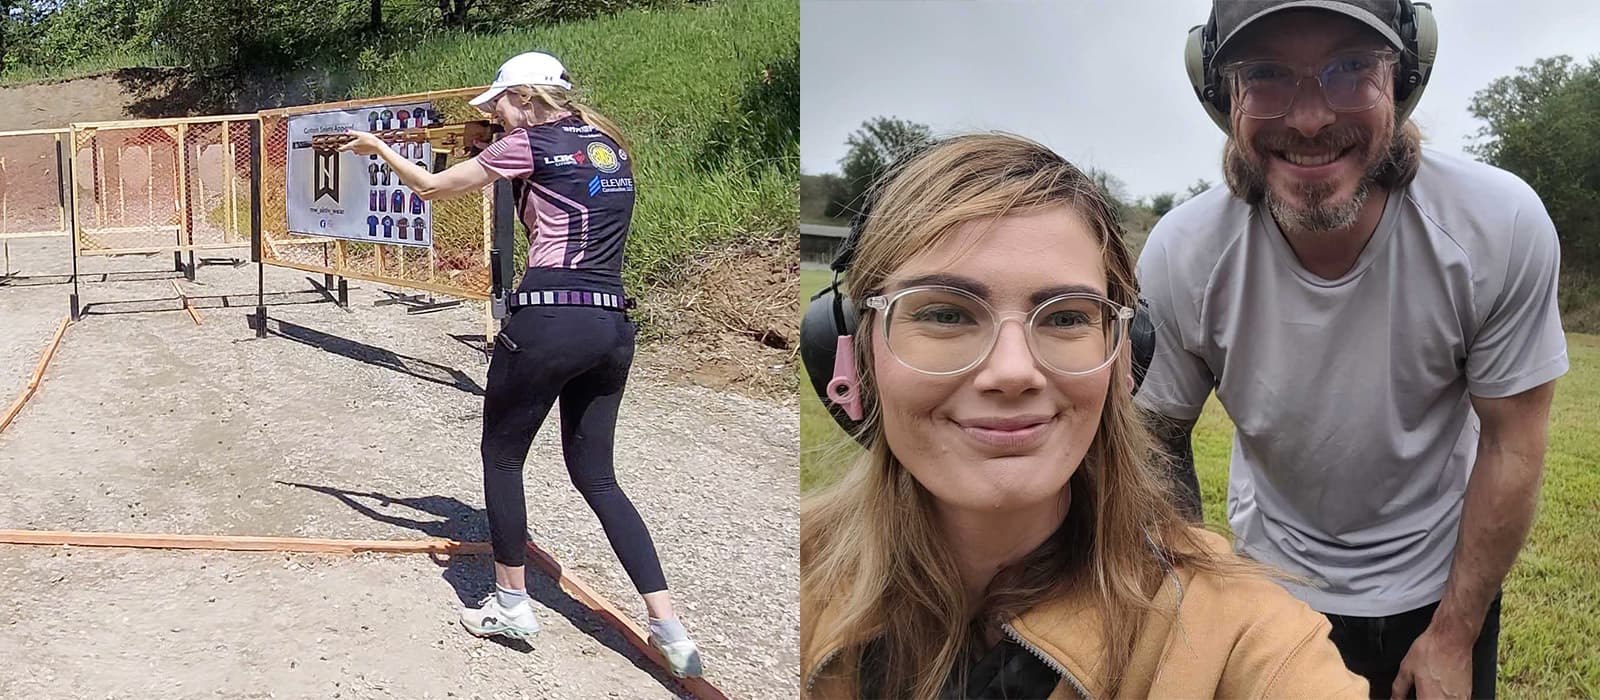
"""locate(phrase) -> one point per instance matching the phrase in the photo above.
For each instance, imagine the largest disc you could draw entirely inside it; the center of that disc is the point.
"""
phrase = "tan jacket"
(1235, 637)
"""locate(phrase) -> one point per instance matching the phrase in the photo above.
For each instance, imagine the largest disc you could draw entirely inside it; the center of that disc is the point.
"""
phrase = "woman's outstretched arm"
(458, 179)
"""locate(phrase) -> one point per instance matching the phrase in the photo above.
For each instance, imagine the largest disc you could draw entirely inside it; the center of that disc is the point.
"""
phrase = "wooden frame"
(232, 228)
(238, 543)
(38, 375)
(698, 687)
(61, 206)
(540, 559)
(284, 112)
(184, 297)
(161, 249)
(157, 123)
(385, 259)
(35, 132)
(32, 234)
(180, 185)
(381, 279)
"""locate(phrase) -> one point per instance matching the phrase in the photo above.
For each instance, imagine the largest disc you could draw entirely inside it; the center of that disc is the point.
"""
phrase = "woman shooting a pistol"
(568, 338)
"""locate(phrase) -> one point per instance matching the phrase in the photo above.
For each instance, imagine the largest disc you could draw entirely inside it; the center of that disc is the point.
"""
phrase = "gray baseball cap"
(1233, 16)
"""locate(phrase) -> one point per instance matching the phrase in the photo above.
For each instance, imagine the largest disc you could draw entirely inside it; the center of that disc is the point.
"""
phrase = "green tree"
(1163, 203)
(1543, 124)
(1113, 189)
(1199, 187)
(71, 31)
(872, 148)
(231, 38)
(19, 28)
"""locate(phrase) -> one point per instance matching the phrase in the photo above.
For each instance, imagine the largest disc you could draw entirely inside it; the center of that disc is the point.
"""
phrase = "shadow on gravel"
(472, 576)
(373, 355)
(202, 302)
(89, 278)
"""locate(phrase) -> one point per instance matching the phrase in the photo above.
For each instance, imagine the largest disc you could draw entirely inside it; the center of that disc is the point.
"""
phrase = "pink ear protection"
(844, 388)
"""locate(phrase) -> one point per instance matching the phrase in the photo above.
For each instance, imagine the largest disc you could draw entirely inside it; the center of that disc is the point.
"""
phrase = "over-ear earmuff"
(828, 328)
(1421, 36)
(1207, 83)
(827, 331)
(1418, 33)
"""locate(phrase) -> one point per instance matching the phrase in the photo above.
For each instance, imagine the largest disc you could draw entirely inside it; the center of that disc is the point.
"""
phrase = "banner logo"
(325, 176)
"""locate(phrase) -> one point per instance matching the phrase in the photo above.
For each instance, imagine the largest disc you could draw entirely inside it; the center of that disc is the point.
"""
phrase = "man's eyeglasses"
(1351, 81)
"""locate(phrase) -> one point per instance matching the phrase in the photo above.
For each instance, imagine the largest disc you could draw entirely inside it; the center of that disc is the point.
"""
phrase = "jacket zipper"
(811, 680)
(1048, 661)
(1011, 632)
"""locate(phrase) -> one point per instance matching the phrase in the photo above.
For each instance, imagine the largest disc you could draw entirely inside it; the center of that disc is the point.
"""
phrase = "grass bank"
(708, 95)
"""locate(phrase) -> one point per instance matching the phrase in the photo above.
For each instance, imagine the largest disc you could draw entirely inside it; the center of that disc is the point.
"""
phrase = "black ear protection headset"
(1414, 23)
(833, 314)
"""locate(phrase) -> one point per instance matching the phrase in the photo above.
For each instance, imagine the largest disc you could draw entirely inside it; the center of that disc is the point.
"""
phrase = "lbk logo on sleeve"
(325, 176)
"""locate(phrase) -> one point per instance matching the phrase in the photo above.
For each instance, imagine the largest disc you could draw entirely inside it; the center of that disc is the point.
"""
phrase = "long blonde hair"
(871, 554)
(558, 99)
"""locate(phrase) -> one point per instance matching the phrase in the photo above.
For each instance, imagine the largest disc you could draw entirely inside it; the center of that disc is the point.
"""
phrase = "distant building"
(820, 244)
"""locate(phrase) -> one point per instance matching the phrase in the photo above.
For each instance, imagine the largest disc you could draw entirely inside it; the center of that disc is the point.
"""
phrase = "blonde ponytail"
(558, 99)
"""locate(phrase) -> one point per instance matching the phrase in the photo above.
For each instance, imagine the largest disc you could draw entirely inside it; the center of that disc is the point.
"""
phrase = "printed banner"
(343, 195)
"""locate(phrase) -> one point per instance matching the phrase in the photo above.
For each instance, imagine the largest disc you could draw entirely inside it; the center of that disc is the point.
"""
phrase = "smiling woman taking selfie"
(1006, 533)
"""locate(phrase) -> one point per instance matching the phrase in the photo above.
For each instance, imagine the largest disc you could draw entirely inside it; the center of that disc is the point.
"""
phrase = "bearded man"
(1379, 321)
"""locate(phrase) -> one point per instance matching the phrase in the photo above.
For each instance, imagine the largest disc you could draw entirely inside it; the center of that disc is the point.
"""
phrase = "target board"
(358, 198)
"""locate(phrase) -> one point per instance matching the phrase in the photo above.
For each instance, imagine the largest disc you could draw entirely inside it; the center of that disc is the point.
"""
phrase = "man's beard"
(1316, 212)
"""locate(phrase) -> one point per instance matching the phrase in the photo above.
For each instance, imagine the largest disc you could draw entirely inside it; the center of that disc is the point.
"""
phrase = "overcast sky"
(1102, 81)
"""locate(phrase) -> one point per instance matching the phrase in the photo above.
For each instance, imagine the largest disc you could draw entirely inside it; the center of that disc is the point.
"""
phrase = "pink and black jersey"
(574, 188)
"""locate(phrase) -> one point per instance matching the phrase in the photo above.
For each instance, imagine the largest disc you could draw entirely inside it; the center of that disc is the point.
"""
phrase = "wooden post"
(699, 688)
(150, 180)
(99, 178)
(486, 197)
(122, 196)
(61, 199)
(181, 184)
(238, 543)
(38, 375)
(231, 170)
(490, 328)
(433, 263)
(183, 296)
(199, 181)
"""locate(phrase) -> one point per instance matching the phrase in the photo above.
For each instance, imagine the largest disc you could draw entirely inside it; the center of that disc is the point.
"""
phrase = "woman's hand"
(364, 143)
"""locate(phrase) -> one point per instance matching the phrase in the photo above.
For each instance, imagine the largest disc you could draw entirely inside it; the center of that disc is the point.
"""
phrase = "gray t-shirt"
(1355, 434)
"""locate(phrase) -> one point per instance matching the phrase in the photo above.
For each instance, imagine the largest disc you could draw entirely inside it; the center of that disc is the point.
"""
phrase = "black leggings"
(580, 355)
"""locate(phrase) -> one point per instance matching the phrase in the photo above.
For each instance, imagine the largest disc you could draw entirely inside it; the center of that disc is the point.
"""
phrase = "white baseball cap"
(531, 68)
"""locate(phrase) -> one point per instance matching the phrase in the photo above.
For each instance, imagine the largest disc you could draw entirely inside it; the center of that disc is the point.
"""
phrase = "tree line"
(222, 38)
(836, 197)
(1542, 124)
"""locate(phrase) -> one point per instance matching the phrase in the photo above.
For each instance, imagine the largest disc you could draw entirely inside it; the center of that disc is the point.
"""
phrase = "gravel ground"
(359, 423)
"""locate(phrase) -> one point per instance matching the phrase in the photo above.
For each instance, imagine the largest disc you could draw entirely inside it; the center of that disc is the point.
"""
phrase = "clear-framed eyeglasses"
(945, 330)
(1351, 81)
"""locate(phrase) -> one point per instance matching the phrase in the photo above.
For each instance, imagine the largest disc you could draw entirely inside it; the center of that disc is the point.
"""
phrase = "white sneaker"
(516, 622)
(683, 658)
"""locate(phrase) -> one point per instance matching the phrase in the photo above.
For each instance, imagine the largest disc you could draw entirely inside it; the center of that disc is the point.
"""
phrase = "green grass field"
(709, 96)
(1551, 613)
